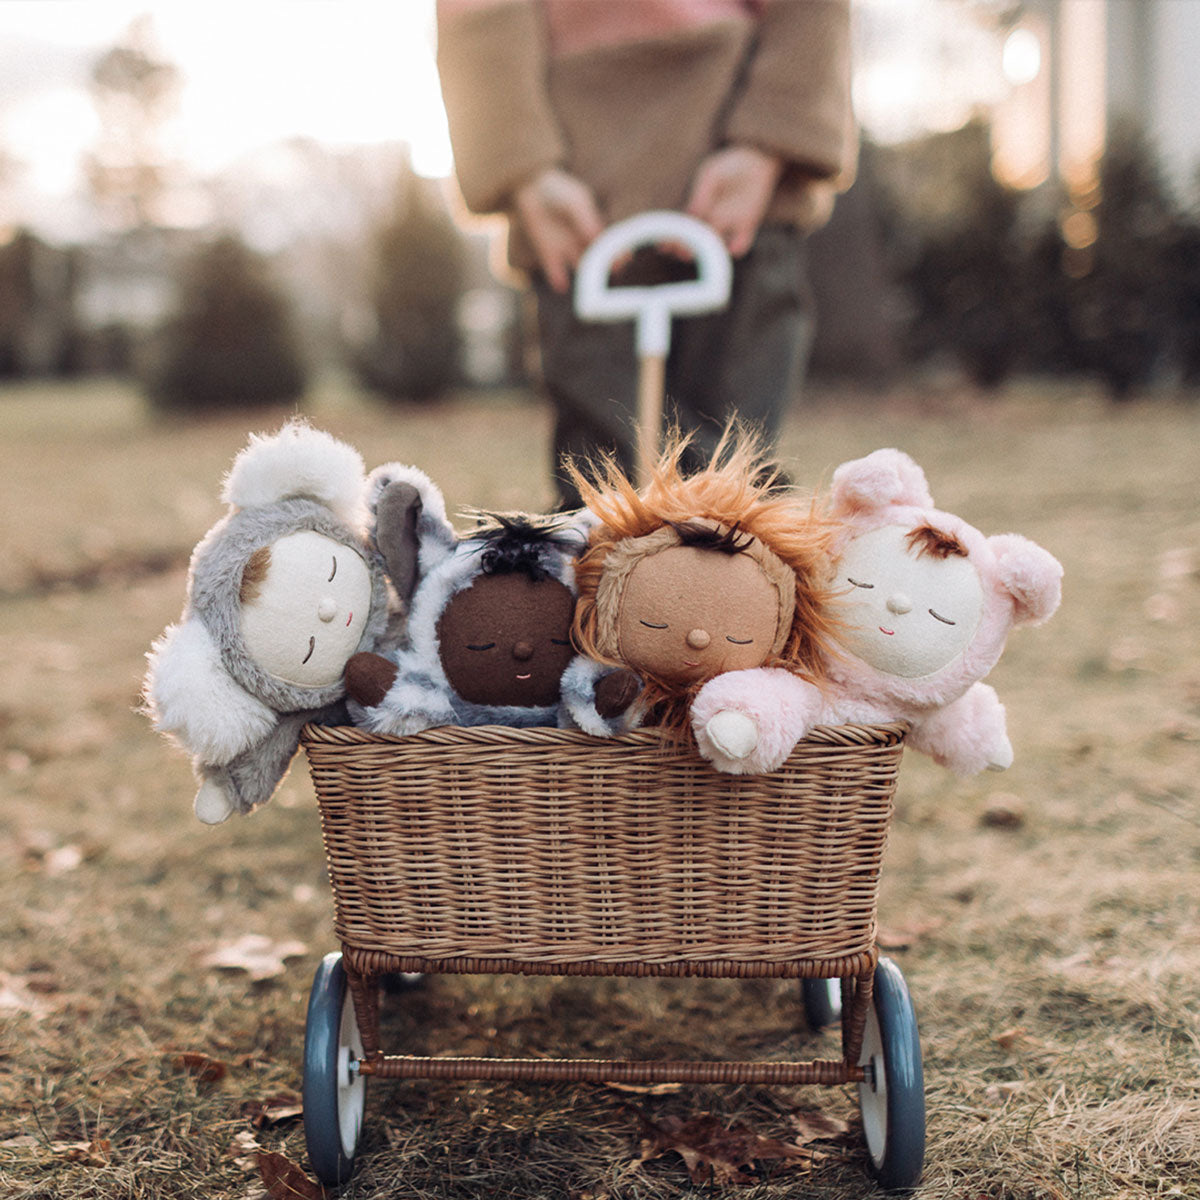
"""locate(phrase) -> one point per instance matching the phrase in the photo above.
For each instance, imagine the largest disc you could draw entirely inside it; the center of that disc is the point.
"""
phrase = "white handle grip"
(653, 306)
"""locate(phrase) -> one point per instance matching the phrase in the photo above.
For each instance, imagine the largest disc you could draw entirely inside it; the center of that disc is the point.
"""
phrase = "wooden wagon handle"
(652, 306)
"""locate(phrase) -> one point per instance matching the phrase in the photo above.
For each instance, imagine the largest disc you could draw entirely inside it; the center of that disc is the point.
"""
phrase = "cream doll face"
(909, 611)
(688, 614)
(305, 616)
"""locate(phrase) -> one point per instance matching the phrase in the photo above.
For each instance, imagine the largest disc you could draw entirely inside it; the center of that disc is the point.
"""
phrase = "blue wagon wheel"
(822, 1001)
(334, 1092)
(892, 1098)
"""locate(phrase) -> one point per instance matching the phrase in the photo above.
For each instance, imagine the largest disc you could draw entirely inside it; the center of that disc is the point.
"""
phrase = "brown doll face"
(507, 640)
(688, 614)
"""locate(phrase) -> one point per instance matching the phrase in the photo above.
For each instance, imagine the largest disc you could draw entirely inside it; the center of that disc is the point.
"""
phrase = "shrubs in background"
(232, 342)
(417, 272)
(1107, 284)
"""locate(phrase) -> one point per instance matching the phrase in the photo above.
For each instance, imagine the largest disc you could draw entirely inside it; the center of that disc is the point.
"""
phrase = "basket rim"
(881, 734)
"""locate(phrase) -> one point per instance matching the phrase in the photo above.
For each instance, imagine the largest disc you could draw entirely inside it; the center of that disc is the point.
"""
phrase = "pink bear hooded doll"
(927, 608)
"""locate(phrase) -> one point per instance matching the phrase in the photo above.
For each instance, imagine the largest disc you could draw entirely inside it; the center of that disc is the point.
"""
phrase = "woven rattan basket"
(548, 851)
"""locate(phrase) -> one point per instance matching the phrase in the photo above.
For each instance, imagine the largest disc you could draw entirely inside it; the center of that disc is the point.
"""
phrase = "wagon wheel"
(892, 1098)
(334, 1092)
(822, 1002)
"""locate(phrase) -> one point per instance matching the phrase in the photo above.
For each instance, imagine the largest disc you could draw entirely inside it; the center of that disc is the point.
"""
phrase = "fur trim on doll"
(698, 574)
(489, 614)
(926, 603)
(281, 591)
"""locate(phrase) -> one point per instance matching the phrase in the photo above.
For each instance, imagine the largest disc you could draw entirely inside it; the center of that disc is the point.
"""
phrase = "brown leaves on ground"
(281, 1177)
(715, 1154)
(259, 956)
(284, 1180)
(273, 1110)
(96, 1153)
(202, 1068)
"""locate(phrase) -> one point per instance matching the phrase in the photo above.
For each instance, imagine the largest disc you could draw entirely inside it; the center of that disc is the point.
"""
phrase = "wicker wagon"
(544, 851)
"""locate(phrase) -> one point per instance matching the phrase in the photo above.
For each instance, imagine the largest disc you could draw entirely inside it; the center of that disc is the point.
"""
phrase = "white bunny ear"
(193, 699)
(1031, 575)
(298, 461)
(881, 478)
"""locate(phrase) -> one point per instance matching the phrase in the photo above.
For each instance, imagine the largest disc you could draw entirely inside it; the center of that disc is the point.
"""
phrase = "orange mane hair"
(739, 488)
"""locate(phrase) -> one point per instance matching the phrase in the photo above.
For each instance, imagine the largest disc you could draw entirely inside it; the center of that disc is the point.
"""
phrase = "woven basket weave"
(543, 849)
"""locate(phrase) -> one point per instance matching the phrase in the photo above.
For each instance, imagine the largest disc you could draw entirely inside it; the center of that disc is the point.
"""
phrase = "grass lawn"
(1046, 919)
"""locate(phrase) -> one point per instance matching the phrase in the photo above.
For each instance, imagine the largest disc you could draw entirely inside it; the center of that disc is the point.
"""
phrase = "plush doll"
(926, 607)
(281, 592)
(694, 576)
(489, 625)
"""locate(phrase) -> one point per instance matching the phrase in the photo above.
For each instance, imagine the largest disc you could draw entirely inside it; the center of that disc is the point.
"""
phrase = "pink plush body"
(929, 604)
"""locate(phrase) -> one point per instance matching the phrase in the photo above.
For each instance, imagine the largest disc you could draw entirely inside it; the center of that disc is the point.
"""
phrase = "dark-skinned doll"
(489, 615)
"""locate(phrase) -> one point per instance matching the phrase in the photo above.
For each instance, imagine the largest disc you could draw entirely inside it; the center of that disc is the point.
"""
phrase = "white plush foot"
(1002, 757)
(734, 734)
(212, 803)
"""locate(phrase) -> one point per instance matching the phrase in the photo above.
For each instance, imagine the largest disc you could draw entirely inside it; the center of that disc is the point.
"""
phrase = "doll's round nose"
(899, 603)
(327, 609)
(522, 651)
(698, 639)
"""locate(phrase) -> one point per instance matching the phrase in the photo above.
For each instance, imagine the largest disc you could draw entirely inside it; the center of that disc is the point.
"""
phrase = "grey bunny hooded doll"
(281, 592)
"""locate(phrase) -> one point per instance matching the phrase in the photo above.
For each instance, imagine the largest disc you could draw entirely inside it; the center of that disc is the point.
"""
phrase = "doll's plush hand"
(616, 691)
(748, 722)
(368, 678)
(968, 735)
(733, 734)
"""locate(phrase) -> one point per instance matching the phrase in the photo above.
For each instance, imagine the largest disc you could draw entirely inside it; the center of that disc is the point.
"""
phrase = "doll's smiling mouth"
(523, 677)
(889, 632)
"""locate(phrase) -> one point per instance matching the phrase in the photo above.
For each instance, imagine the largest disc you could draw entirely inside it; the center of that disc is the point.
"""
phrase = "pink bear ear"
(1031, 575)
(882, 478)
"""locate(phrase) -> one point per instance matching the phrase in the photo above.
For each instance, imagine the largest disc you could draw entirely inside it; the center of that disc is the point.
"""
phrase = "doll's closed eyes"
(506, 639)
(687, 614)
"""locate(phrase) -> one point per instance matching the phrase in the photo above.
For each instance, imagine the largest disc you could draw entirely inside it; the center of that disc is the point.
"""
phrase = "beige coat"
(635, 119)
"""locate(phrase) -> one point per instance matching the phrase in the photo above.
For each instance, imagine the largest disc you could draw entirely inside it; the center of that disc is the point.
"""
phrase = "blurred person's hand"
(560, 217)
(731, 191)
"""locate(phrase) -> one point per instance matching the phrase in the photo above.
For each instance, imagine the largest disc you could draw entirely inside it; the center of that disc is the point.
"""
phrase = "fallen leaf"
(284, 1180)
(811, 1126)
(244, 1150)
(17, 997)
(96, 1153)
(903, 937)
(1009, 1037)
(714, 1154)
(200, 1066)
(62, 859)
(259, 956)
(646, 1089)
(1004, 811)
(273, 1110)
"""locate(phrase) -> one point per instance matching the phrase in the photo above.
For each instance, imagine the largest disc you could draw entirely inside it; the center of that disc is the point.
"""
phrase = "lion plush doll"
(692, 576)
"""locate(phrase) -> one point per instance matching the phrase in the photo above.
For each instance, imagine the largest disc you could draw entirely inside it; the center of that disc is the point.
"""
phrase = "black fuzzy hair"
(519, 542)
(706, 537)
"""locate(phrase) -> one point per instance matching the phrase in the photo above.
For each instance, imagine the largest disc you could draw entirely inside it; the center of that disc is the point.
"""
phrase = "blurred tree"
(1113, 271)
(39, 328)
(418, 270)
(134, 90)
(232, 342)
(956, 241)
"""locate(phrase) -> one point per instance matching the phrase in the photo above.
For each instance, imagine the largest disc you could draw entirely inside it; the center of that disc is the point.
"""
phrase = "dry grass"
(1047, 917)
